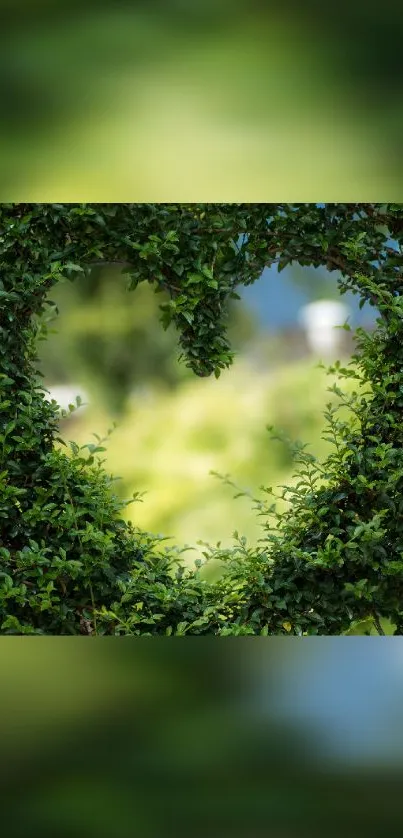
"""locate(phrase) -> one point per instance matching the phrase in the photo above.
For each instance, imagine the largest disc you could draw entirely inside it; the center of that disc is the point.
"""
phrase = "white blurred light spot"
(320, 320)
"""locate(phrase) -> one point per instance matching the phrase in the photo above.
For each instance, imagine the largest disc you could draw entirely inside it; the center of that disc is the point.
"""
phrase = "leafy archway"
(69, 563)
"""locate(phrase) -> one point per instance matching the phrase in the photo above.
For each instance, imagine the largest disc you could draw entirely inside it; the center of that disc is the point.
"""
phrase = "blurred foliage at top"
(230, 100)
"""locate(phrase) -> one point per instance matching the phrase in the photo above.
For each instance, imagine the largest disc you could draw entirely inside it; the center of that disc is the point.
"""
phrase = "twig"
(377, 623)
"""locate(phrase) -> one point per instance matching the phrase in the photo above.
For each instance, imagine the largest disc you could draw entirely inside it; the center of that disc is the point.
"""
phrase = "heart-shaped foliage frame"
(68, 563)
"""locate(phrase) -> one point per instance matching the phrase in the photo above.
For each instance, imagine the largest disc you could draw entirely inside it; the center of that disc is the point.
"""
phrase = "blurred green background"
(209, 101)
(257, 737)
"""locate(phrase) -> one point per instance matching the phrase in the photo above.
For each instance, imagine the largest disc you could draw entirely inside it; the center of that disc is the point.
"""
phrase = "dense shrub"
(69, 564)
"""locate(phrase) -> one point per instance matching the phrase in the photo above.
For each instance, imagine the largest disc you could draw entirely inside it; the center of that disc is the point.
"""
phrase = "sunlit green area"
(167, 444)
(201, 101)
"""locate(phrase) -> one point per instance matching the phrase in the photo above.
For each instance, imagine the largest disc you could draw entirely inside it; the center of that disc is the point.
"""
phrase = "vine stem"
(377, 623)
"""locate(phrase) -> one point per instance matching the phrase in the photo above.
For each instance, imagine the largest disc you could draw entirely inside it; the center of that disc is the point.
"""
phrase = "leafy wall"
(70, 564)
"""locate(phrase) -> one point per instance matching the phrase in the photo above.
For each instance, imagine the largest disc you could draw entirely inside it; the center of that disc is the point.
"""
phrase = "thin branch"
(377, 623)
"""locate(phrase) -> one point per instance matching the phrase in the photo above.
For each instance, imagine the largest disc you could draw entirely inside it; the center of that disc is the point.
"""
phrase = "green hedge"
(69, 563)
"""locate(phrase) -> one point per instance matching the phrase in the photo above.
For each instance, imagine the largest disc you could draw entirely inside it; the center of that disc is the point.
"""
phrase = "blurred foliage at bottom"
(162, 739)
